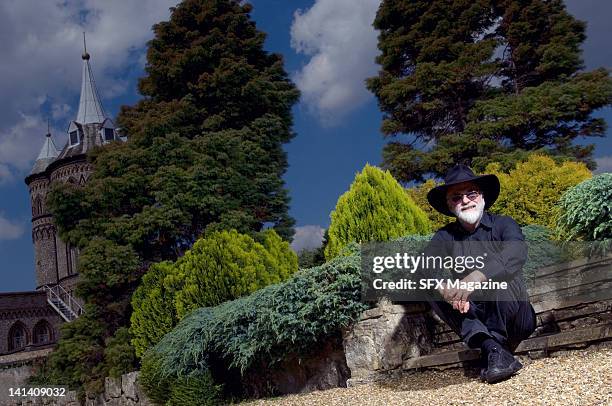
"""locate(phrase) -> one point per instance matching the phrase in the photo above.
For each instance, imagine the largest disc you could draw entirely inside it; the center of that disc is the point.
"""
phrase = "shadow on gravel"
(430, 379)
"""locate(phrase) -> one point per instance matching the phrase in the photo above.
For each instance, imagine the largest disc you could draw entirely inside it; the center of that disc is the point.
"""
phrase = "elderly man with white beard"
(500, 322)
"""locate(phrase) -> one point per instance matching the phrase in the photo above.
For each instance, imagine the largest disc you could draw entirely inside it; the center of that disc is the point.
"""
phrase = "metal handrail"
(56, 292)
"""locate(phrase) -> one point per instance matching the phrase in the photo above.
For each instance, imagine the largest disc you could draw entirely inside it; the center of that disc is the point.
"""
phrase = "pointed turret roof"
(48, 153)
(90, 107)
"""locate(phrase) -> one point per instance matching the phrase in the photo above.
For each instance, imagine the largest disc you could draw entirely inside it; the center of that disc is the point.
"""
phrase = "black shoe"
(482, 362)
(501, 365)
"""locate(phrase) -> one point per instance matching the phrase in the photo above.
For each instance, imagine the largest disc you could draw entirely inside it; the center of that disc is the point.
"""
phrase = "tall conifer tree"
(204, 153)
(483, 80)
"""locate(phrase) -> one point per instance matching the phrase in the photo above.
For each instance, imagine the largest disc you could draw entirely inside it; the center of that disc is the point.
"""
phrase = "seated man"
(496, 325)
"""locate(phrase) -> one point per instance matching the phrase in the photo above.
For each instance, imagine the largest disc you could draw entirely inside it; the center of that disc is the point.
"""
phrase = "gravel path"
(576, 378)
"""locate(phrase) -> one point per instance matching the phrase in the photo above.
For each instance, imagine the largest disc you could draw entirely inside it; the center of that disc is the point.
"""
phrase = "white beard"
(472, 216)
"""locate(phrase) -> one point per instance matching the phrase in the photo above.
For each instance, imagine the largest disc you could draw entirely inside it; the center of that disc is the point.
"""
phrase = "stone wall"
(124, 391)
(383, 338)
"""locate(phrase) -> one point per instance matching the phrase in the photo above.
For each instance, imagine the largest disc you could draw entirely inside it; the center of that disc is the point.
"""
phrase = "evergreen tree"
(482, 81)
(375, 208)
(204, 153)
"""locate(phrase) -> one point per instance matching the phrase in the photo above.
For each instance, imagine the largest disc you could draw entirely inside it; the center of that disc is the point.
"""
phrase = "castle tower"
(44, 235)
(56, 261)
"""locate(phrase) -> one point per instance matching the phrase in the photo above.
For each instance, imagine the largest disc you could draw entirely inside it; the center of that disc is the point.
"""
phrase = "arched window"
(42, 332)
(37, 206)
(17, 337)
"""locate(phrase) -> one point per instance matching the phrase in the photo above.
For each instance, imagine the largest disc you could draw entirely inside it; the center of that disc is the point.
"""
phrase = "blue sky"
(328, 46)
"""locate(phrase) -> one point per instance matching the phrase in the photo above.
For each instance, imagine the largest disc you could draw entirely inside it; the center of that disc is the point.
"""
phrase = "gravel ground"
(575, 378)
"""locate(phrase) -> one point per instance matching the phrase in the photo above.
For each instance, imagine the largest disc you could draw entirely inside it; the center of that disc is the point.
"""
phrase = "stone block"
(112, 388)
(128, 386)
(381, 344)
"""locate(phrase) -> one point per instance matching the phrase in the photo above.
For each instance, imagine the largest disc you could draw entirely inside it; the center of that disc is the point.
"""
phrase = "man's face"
(466, 202)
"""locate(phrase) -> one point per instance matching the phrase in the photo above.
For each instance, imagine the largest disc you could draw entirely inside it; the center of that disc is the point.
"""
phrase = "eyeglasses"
(472, 195)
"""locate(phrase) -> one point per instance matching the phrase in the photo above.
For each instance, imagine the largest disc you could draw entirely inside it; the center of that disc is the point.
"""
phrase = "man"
(498, 324)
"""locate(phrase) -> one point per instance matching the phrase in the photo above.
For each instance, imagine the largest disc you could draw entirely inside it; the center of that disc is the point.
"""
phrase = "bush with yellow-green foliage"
(419, 195)
(153, 303)
(222, 266)
(531, 191)
(375, 208)
(227, 265)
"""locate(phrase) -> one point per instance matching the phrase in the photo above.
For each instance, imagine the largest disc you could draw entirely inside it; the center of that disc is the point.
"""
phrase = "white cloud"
(60, 110)
(307, 237)
(604, 164)
(19, 144)
(41, 49)
(10, 230)
(339, 37)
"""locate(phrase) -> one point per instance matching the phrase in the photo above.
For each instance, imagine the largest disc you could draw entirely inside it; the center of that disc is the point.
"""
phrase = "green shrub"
(222, 266)
(543, 250)
(119, 354)
(153, 307)
(157, 387)
(226, 265)
(419, 195)
(198, 389)
(375, 208)
(530, 192)
(264, 327)
(586, 210)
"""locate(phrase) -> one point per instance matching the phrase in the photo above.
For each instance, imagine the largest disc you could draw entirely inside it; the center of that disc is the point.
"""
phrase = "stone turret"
(43, 229)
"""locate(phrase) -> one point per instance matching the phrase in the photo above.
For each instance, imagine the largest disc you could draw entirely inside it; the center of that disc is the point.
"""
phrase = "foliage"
(205, 152)
(530, 192)
(119, 353)
(375, 208)
(157, 388)
(226, 265)
(196, 390)
(444, 81)
(262, 328)
(222, 266)
(309, 258)
(419, 195)
(586, 209)
(543, 250)
(153, 307)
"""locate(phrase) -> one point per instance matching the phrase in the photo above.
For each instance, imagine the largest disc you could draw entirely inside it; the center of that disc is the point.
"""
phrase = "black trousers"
(508, 317)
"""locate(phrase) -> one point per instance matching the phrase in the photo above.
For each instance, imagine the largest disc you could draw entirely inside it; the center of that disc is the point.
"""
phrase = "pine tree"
(375, 208)
(481, 81)
(204, 153)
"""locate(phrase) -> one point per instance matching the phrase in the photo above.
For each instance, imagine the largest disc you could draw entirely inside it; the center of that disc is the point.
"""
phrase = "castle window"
(74, 137)
(17, 337)
(42, 332)
(109, 134)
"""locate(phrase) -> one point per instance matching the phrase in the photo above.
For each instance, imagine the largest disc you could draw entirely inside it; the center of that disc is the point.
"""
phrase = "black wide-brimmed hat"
(489, 186)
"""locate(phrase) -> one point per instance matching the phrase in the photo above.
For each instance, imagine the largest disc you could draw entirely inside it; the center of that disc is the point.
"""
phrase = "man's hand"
(459, 298)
